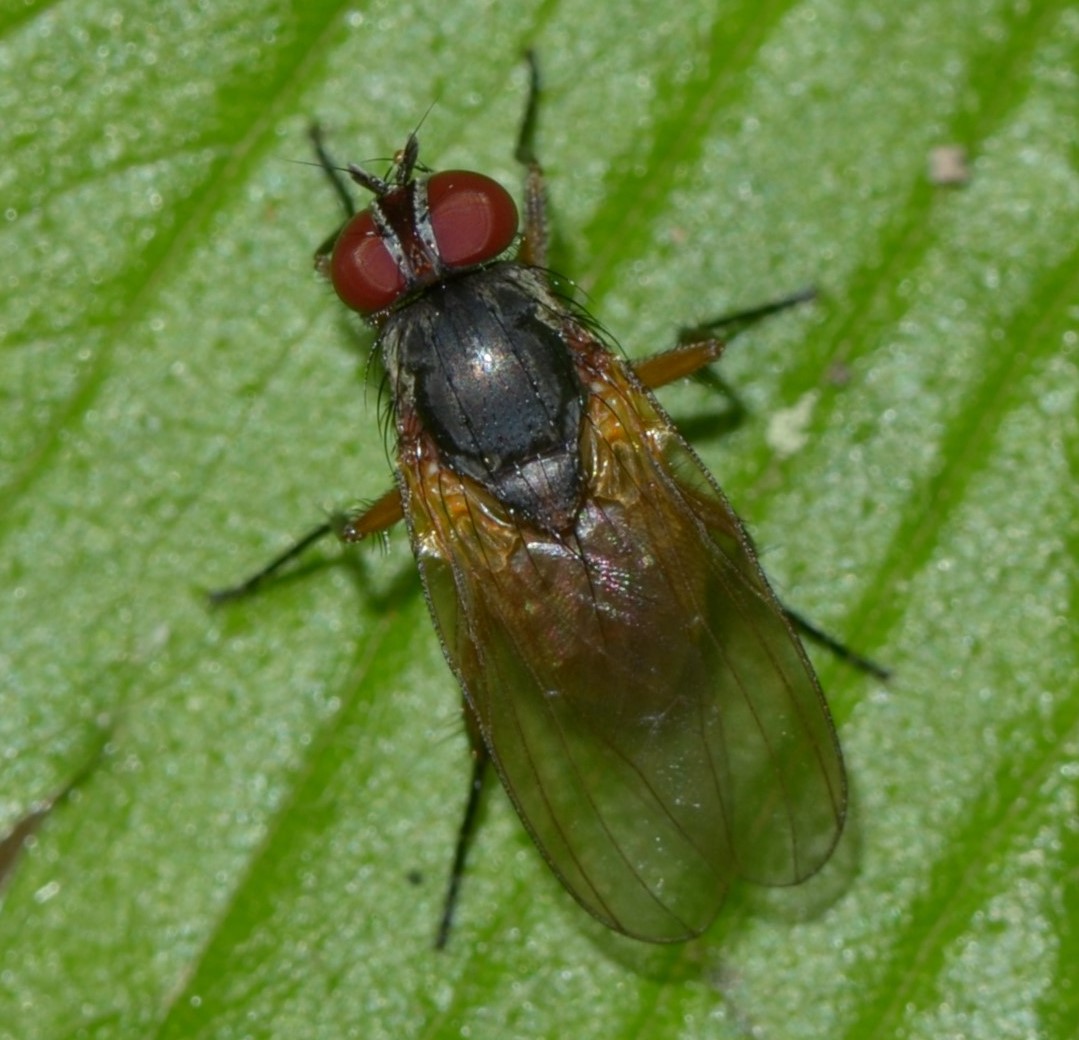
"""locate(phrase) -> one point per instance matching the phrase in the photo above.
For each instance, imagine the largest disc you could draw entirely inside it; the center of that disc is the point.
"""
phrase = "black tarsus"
(525, 152)
(464, 841)
(830, 643)
(332, 171)
(737, 321)
(249, 585)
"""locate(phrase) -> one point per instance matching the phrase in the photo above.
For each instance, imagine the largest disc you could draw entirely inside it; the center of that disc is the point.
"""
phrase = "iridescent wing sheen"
(640, 691)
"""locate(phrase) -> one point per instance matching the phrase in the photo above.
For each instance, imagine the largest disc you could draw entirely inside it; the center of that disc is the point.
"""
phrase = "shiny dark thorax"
(481, 361)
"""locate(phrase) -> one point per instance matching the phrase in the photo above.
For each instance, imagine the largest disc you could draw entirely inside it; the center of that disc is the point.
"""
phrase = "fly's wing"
(644, 700)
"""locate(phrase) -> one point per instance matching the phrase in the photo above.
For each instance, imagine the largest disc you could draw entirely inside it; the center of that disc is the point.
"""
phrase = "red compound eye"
(362, 270)
(473, 217)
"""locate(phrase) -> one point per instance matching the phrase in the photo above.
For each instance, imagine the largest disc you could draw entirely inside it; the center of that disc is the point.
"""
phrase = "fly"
(625, 666)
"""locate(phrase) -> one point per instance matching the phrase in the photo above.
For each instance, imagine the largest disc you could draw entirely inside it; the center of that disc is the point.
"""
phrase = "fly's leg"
(340, 189)
(835, 646)
(467, 830)
(387, 510)
(700, 345)
(349, 527)
(698, 348)
(332, 171)
(379, 516)
(534, 245)
(251, 583)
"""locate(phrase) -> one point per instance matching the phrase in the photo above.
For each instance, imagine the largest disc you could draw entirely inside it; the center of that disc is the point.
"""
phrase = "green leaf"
(238, 822)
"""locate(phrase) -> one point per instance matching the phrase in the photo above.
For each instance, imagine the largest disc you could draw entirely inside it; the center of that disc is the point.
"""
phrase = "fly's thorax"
(481, 365)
